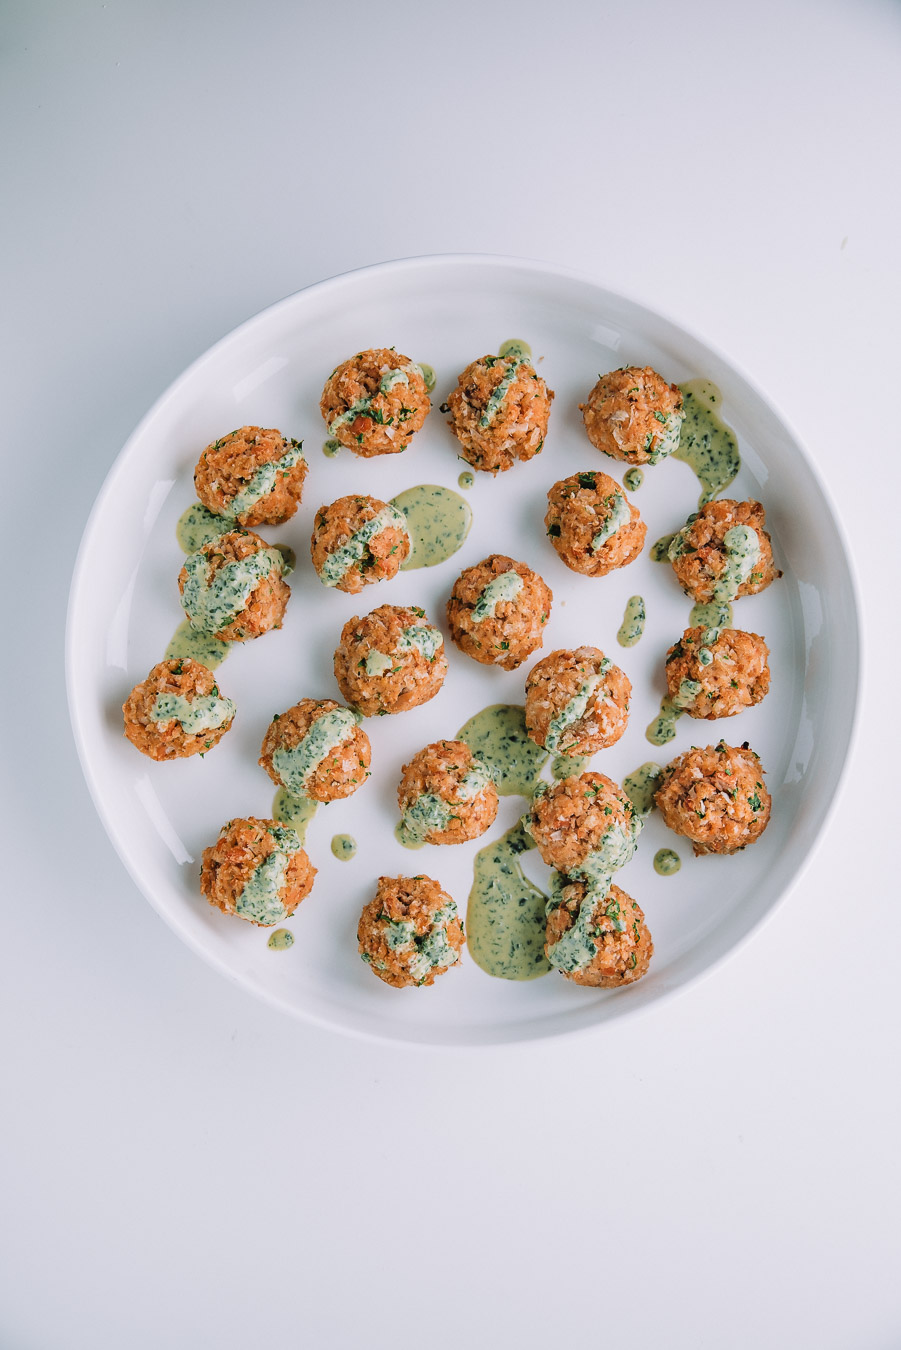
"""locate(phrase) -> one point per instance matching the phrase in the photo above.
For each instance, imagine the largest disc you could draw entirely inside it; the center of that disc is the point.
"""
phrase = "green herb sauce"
(294, 811)
(620, 515)
(498, 736)
(423, 638)
(576, 949)
(742, 548)
(337, 564)
(404, 838)
(205, 712)
(501, 390)
(264, 480)
(663, 728)
(260, 899)
(331, 448)
(632, 626)
(504, 587)
(430, 812)
(569, 766)
(363, 407)
(573, 711)
(505, 918)
(513, 347)
(633, 478)
(713, 614)
(660, 550)
(295, 764)
(214, 599)
(344, 846)
(197, 526)
(186, 641)
(641, 785)
(428, 375)
(438, 520)
(281, 940)
(666, 862)
(377, 663)
(466, 479)
(706, 444)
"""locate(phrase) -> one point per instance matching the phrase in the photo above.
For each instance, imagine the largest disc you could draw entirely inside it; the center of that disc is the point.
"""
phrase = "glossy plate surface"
(446, 311)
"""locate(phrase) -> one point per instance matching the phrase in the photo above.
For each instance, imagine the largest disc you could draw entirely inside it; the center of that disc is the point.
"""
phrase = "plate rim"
(502, 1035)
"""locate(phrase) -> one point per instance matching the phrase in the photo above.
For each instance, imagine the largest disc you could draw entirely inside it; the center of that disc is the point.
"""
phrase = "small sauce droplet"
(641, 785)
(344, 846)
(465, 480)
(428, 375)
(331, 449)
(404, 838)
(186, 641)
(633, 479)
(632, 626)
(666, 862)
(663, 728)
(294, 811)
(515, 348)
(280, 940)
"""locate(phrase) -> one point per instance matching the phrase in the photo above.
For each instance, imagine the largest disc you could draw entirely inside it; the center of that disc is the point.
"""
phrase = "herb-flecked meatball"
(498, 610)
(717, 672)
(715, 798)
(410, 933)
(375, 402)
(390, 660)
(592, 524)
(177, 711)
(316, 750)
(232, 587)
(446, 795)
(597, 936)
(358, 541)
(577, 702)
(258, 870)
(723, 552)
(499, 411)
(584, 827)
(634, 415)
(253, 475)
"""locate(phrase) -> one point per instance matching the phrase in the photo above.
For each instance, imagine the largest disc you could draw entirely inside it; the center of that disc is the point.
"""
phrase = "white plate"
(446, 311)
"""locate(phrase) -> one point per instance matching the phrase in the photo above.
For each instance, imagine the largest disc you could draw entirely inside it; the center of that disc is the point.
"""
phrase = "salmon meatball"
(634, 415)
(232, 587)
(723, 552)
(446, 795)
(717, 672)
(258, 870)
(585, 827)
(498, 610)
(252, 475)
(316, 750)
(375, 402)
(592, 525)
(358, 541)
(715, 798)
(177, 711)
(577, 702)
(499, 410)
(390, 660)
(410, 933)
(597, 935)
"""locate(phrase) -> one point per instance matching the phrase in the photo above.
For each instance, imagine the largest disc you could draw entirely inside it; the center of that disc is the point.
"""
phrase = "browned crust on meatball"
(229, 864)
(412, 679)
(439, 769)
(227, 466)
(556, 680)
(393, 417)
(715, 797)
(167, 740)
(622, 957)
(577, 508)
(344, 769)
(704, 560)
(383, 555)
(619, 413)
(413, 900)
(268, 600)
(517, 628)
(569, 821)
(736, 678)
(516, 431)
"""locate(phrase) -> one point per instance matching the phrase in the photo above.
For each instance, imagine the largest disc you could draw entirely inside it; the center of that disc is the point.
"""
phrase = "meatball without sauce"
(316, 750)
(410, 933)
(446, 795)
(717, 672)
(253, 475)
(598, 936)
(375, 402)
(232, 587)
(497, 611)
(723, 552)
(177, 711)
(715, 798)
(258, 870)
(390, 660)
(632, 414)
(499, 410)
(358, 541)
(577, 702)
(592, 524)
(584, 827)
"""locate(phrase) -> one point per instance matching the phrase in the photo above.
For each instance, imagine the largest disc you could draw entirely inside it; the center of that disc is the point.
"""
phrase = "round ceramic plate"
(446, 311)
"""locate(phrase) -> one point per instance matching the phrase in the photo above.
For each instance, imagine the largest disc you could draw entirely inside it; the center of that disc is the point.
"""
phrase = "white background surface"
(183, 1166)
